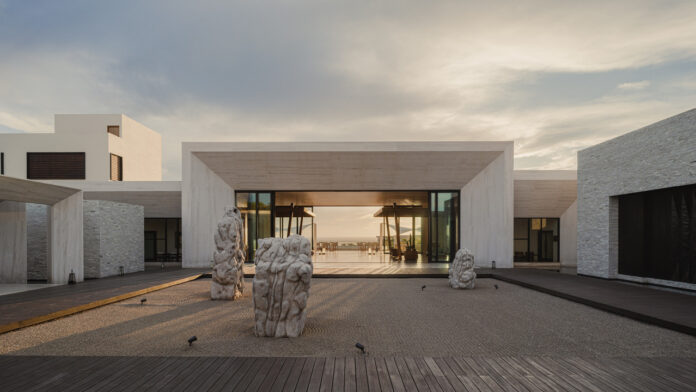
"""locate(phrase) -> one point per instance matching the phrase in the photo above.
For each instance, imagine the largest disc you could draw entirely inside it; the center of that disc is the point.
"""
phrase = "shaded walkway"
(32, 307)
(668, 309)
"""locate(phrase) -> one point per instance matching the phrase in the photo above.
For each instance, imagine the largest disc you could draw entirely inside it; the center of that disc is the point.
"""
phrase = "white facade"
(481, 171)
(551, 194)
(139, 146)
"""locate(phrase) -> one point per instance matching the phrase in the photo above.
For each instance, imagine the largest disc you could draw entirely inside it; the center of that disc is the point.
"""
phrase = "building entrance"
(368, 226)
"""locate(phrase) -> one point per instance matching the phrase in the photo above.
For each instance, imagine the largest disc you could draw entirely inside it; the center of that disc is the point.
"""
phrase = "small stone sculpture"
(228, 259)
(461, 272)
(281, 285)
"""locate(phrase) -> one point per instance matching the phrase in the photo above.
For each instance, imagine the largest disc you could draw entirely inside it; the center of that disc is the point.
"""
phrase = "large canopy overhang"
(26, 191)
(376, 166)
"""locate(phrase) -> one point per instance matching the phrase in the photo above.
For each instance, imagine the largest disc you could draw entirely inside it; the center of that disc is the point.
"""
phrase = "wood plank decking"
(27, 308)
(361, 373)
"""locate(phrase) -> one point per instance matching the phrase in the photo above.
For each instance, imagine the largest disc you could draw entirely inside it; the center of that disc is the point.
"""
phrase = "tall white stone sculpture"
(281, 285)
(461, 272)
(228, 259)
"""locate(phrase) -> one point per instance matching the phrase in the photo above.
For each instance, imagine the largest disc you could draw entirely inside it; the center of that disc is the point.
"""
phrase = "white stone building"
(467, 195)
(637, 205)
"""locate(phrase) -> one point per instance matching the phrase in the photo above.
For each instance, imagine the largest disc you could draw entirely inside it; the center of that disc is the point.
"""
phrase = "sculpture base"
(461, 285)
(218, 291)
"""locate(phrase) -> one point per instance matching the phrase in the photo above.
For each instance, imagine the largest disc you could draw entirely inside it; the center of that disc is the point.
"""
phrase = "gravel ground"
(389, 316)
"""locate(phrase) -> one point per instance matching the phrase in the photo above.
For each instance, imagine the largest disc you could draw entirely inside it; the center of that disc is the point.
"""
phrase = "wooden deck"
(27, 308)
(361, 373)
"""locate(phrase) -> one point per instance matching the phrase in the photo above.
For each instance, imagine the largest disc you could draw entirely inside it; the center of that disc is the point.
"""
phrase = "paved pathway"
(361, 373)
(668, 309)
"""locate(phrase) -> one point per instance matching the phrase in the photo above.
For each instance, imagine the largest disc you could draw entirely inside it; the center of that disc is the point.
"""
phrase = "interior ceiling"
(551, 198)
(352, 199)
(347, 170)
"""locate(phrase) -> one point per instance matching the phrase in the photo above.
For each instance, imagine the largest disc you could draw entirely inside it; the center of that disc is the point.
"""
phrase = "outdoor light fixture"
(360, 347)
(493, 264)
(496, 286)
(191, 340)
(142, 301)
(423, 288)
(121, 271)
(71, 278)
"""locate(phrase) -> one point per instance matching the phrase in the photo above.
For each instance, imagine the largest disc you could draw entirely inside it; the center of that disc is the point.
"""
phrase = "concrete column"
(13, 242)
(66, 246)
(204, 196)
(569, 239)
(487, 213)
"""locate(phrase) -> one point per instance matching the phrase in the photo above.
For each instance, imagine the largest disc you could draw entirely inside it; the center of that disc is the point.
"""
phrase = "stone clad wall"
(661, 155)
(37, 241)
(113, 237)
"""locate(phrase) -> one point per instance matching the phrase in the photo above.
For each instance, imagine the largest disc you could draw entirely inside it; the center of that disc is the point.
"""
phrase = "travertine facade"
(281, 285)
(228, 259)
(113, 238)
(660, 155)
(461, 272)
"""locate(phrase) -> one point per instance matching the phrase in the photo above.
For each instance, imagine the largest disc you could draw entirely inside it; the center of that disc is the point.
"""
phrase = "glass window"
(521, 239)
(444, 226)
(536, 239)
(256, 209)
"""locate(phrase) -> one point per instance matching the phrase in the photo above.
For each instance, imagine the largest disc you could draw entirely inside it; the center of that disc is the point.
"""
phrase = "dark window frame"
(433, 255)
(537, 246)
(81, 176)
(166, 256)
(249, 258)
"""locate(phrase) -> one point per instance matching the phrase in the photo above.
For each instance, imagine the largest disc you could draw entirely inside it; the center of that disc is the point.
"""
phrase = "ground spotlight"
(142, 301)
(192, 339)
(360, 347)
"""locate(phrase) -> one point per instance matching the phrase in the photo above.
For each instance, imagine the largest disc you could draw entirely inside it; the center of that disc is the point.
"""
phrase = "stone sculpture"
(461, 272)
(281, 285)
(228, 259)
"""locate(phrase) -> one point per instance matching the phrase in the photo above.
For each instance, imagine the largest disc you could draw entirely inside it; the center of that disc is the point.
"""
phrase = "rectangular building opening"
(367, 226)
(114, 130)
(56, 165)
(116, 168)
(657, 234)
(537, 239)
(163, 239)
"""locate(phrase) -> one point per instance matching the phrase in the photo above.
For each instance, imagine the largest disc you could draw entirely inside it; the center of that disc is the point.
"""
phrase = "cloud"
(634, 85)
(542, 73)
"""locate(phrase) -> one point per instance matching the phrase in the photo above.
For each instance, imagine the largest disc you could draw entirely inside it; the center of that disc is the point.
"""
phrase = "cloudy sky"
(553, 76)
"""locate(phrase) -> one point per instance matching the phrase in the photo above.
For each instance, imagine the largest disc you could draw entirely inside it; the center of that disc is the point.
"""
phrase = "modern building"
(88, 147)
(637, 205)
(635, 189)
(84, 151)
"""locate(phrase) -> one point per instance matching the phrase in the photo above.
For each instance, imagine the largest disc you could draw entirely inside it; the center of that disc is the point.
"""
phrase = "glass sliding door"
(257, 216)
(537, 239)
(444, 226)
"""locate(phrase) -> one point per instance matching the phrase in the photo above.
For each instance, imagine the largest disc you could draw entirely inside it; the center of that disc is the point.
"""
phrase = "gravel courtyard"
(388, 316)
